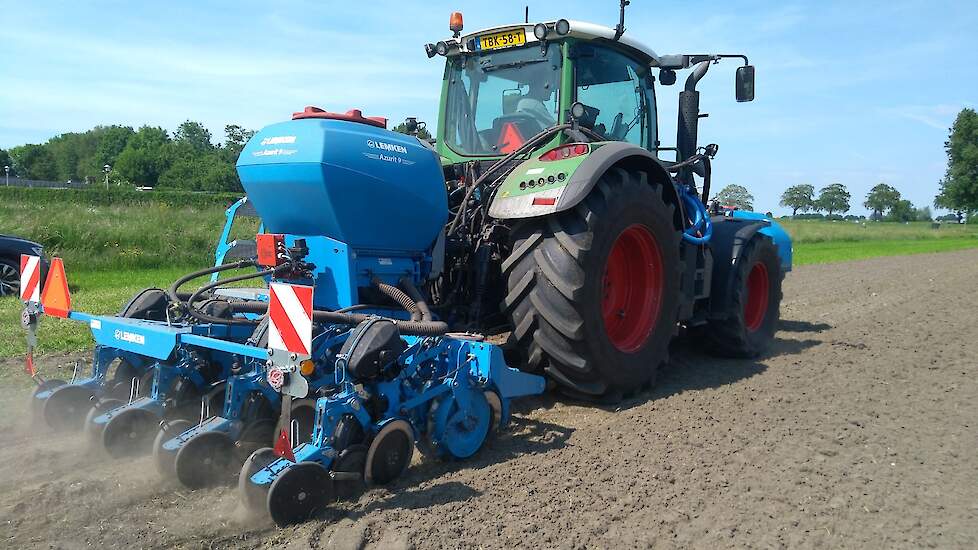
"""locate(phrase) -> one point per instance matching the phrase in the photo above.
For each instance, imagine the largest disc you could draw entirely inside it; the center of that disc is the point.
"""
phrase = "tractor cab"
(506, 84)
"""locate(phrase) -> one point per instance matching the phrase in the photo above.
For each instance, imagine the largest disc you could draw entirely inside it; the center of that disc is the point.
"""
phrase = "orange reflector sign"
(55, 298)
(283, 447)
(510, 138)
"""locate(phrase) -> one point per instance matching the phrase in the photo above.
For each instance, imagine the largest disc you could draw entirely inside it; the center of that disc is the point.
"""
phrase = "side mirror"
(745, 83)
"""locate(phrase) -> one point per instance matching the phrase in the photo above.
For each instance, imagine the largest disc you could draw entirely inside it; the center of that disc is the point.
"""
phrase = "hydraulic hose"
(205, 318)
(419, 328)
(415, 295)
(530, 143)
(400, 297)
(174, 296)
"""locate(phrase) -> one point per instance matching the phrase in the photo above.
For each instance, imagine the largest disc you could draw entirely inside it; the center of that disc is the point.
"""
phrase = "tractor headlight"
(540, 31)
(562, 27)
(441, 47)
(429, 50)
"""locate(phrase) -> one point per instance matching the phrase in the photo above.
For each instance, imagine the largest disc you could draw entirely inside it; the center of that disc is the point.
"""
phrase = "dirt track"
(858, 430)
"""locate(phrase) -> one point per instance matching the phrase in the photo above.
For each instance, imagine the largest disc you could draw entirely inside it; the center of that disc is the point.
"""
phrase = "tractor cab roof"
(578, 29)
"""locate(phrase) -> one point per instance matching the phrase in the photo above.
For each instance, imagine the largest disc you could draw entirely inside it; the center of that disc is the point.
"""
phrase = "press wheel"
(204, 460)
(298, 493)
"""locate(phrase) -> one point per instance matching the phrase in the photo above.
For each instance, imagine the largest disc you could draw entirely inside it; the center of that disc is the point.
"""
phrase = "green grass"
(119, 235)
(841, 251)
(819, 231)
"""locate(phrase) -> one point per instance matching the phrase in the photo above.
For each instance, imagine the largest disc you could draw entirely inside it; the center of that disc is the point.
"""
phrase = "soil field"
(859, 430)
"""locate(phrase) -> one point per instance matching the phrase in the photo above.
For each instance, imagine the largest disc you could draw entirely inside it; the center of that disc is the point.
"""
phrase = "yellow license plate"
(505, 39)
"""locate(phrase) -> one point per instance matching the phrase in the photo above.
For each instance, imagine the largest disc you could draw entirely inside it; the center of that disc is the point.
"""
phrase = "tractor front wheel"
(746, 328)
(593, 292)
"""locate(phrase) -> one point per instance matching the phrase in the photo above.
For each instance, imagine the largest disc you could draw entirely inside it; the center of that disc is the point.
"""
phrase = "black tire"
(130, 433)
(37, 405)
(9, 278)
(165, 461)
(253, 496)
(739, 333)
(556, 277)
(204, 460)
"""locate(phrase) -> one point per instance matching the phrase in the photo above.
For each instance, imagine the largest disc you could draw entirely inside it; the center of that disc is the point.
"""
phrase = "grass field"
(114, 247)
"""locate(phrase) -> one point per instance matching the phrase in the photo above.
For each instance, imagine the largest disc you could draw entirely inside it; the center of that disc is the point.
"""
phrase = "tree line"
(150, 156)
(958, 188)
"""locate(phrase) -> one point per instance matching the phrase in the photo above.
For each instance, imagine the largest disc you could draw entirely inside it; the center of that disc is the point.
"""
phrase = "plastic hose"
(400, 297)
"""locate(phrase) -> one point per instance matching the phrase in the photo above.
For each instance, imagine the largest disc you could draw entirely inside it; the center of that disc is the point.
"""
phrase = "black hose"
(419, 328)
(174, 296)
(707, 176)
(530, 144)
(415, 295)
(400, 297)
(205, 318)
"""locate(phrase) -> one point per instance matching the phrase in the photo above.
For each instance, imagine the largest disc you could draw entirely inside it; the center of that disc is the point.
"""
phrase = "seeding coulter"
(545, 215)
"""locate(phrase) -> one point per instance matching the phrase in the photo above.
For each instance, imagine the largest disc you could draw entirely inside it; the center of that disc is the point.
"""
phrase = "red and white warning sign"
(290, 318)
(30, 278)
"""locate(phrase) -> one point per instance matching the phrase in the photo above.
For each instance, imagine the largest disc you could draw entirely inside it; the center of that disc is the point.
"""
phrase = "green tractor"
(567, 227)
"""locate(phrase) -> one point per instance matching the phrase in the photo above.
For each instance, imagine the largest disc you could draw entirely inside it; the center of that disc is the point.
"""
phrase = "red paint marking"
(28, 290)
(281, 321)
(283, 447)
(29, 367)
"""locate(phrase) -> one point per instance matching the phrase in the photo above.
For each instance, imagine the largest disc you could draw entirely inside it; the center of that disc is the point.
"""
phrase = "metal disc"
(204, 460)
(93, 431)
(166, 460)
(298, 493)
(37, 405)
(353, 459)
(67, 407)
(129, 433)
(459, 432)
(254, 496)
(390, 453)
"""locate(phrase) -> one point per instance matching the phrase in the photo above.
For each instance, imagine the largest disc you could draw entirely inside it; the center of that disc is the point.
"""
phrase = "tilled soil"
(857, 430)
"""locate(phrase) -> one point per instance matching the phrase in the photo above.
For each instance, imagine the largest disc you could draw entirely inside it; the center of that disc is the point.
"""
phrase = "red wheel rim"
(757, 296)
(632, 286)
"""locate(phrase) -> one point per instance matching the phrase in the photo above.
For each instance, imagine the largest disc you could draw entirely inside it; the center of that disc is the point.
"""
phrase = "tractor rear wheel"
(593, 292)
(747, 327)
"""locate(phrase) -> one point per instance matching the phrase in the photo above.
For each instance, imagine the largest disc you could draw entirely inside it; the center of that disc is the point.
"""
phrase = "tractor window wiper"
(511, 65)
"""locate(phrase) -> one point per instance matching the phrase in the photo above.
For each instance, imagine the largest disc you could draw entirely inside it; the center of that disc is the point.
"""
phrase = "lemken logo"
(387, 146)
(130, 337)
(278, 140)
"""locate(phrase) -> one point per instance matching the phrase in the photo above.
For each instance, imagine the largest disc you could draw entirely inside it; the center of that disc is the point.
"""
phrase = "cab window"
(617, 94)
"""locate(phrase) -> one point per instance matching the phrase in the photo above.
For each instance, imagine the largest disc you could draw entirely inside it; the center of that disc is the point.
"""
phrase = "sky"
(856, 93)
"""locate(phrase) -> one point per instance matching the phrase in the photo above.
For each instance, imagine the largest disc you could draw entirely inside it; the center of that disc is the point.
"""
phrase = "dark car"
(10, 250)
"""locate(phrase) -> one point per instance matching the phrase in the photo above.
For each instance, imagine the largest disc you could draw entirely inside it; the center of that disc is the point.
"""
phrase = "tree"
(736, 195)
(880, 199)
(145, 157)
(193, 136)
(34, 162)
(799, 197)
(924, 214)
(959, 188)
(833, 198)
(5, 160)
(423, 132)
(902, 211)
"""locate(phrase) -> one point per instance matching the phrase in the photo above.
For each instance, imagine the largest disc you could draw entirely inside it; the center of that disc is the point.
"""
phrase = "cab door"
(617, 93)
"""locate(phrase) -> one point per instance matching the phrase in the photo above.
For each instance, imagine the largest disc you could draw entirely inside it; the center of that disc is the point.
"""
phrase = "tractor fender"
(728, 240)
(586, 176)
